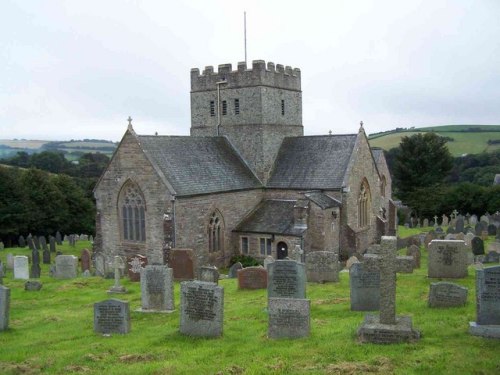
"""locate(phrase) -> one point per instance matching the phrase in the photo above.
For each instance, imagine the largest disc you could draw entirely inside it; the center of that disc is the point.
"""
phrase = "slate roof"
(312, 162)
(322, 200)
(376, 152)
(198, 165)
(272, 217)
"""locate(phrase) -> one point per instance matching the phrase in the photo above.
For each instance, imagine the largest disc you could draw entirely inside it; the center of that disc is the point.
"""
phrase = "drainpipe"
(173, 220)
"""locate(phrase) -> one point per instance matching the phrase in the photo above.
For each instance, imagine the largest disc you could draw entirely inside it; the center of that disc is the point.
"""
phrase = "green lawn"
(51, 331)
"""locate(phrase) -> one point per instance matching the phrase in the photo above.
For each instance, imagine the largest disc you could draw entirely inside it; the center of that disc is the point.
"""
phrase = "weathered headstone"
(445, 294)
(426, 222)
(485, 219)
(477, 246)
(267, 260)
(21, 242)
(352, 260)
(66, 267)
(10, 261)
(21, 267)
(487, 322)
(364, 288)
(468, 239)
(135, 265)
(447, 259)
(36, 242)
(118, 265)
(233, 270)
(32, 285)
(112, 316)
(182, 263)
(43, 243)
(288, 318)
(473, 220)
(460, 236)
(296, 254)
(492, 257)
(157, 288)
(494, 246)
(492, 230)
(286, 279)
(46, 256)
(202, 309)
(58, 239)
(428, 238)
(85, 259)
(31, 243)
(322, 266)
(460, 224)
(445, 220)
(2, 272)
(480, 227)
(2, 246)
(252, 278)
(52, 244)
(35, 265)
(99, 264)
(387, 328)
(4, 307)
(414, 252)
(209, 274)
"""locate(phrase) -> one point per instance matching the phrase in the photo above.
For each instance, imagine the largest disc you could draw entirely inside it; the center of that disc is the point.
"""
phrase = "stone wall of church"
(323, 229)
(192, 215)
(254, 249)
(130, 163)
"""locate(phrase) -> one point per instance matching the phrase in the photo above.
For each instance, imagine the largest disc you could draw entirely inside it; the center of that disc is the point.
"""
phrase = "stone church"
(246, 180)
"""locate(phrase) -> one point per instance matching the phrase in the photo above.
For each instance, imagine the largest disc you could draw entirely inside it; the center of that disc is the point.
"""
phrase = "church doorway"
(281, 250)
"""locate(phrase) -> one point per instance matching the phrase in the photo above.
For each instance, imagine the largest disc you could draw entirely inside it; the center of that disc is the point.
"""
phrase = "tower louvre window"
(236, 106)
(224, 107)
(212, 108)
(282, 107)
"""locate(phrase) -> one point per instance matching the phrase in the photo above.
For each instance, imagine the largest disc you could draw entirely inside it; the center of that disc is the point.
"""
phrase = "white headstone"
(21, 267)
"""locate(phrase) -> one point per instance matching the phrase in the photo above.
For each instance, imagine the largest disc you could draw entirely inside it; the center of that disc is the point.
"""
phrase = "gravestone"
(66, 267)
(112, 316)
(492, 230)
(480, 227)
(485, 219)
(2, 272)
(426, 223)
(322, 266)
(135, 265)
(91, 238)
(296, 254)
(364, 286)
(21, 267)
(447, 259)
(375, 248)
(35, 265)
(428, 238)
(473, 220)
(46, 256)
(66, 238)
(118, 266)
(36, 242)
(439, 230)
(99, 264)
(414, 252)
(52, 244)
(267, 260)
(31, 243)
(288, 318)
(252, 278)
(286, 279)
(460, 224)
(157, 289)
(4, 307)
(445, 294)
(445, 220)
(492, 257)
(352, 260)
(387, 328)
(182, 263)
(233, 270)
(477, 246)
(43, 243)
(460, 236)
(21, 242)
(202, 309)
(468, 239)
(209, 274)
(58, 239)
(494, 246)
(10, 261)
(85, 259)
(487, 322)
(32, 285)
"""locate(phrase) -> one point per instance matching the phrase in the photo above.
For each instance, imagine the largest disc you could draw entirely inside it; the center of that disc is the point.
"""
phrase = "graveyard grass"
(51, 331)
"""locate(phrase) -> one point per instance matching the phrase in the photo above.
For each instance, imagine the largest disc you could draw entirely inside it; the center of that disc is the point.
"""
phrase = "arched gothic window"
(383, 184)
(364, 205)
(133, 213)
(215, 233)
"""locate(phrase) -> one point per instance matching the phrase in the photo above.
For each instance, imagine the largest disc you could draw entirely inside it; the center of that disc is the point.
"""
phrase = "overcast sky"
(78, 69)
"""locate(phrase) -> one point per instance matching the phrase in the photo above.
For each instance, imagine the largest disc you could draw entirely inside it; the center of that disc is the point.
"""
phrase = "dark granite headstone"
(444, 294)
(492, 257)
(286, 279)
(43, 243)
(252, 278)
(182, 263)
(460, 224)
(31, 244)
(365, 288)
(36, 242)
(46, 256)
(233, 270)
(288, 318)
(35, 265)
(480, 227)
(202, 309)
(112, 316)
(492, 230)
(135, 265)
(52, 244)
(58, 239)
(21, 242)
(487, 323)
(477, 246)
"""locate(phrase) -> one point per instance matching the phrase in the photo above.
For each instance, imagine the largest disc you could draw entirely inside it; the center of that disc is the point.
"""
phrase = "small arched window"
(133, 213)
(364, 204)
(215, 233)
(383, 184)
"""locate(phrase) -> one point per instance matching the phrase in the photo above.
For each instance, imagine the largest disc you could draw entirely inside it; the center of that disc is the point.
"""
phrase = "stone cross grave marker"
(66, 267)
(202, 309)
(21, 267)
(35, 264)
(322, 266)
(288, 318)
(157, 289)
(112, 316)
(435, 220)
(4, 307)
(487, 322)
(286, 279)
(387, 328)
(445, 294)
(118, 265)
(447, 259)
(135, 265)
(364, 287)
(252, 278)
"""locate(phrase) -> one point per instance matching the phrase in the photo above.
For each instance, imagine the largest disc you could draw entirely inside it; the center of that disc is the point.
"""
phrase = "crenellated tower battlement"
(276, 76)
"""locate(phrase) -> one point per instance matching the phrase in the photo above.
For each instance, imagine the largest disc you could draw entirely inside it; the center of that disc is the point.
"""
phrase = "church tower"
(254, 108)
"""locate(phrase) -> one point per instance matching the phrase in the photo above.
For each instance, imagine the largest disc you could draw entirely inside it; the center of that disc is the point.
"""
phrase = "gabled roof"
(322, 200)
(312, 162)
(271, 217)
(198, 165)
(377, 152)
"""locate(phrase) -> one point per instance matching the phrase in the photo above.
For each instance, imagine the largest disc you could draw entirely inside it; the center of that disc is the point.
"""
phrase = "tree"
(422, 161)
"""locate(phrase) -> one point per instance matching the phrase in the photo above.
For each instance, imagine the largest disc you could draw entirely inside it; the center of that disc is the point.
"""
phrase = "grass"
(51, 331)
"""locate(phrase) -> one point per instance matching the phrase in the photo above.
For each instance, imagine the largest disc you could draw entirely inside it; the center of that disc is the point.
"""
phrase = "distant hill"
(72, 149)
(462, 139)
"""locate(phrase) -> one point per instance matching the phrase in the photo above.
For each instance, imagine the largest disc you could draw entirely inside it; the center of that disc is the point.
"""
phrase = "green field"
(464, 142)
(51, 331)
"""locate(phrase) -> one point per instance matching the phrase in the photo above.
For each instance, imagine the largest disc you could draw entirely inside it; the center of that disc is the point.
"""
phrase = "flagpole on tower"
(245, 32)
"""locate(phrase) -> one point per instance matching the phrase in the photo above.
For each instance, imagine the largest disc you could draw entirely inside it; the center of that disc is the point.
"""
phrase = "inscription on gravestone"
(157, 288)
(487, 323)
(288, 318)
(444, 294)
(286, 279)
(322, 266)
(252, 278)
(112, 316)
(364, 288)
(447, 259)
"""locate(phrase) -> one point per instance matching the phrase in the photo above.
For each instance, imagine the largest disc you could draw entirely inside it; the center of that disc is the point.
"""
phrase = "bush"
(245, 260)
